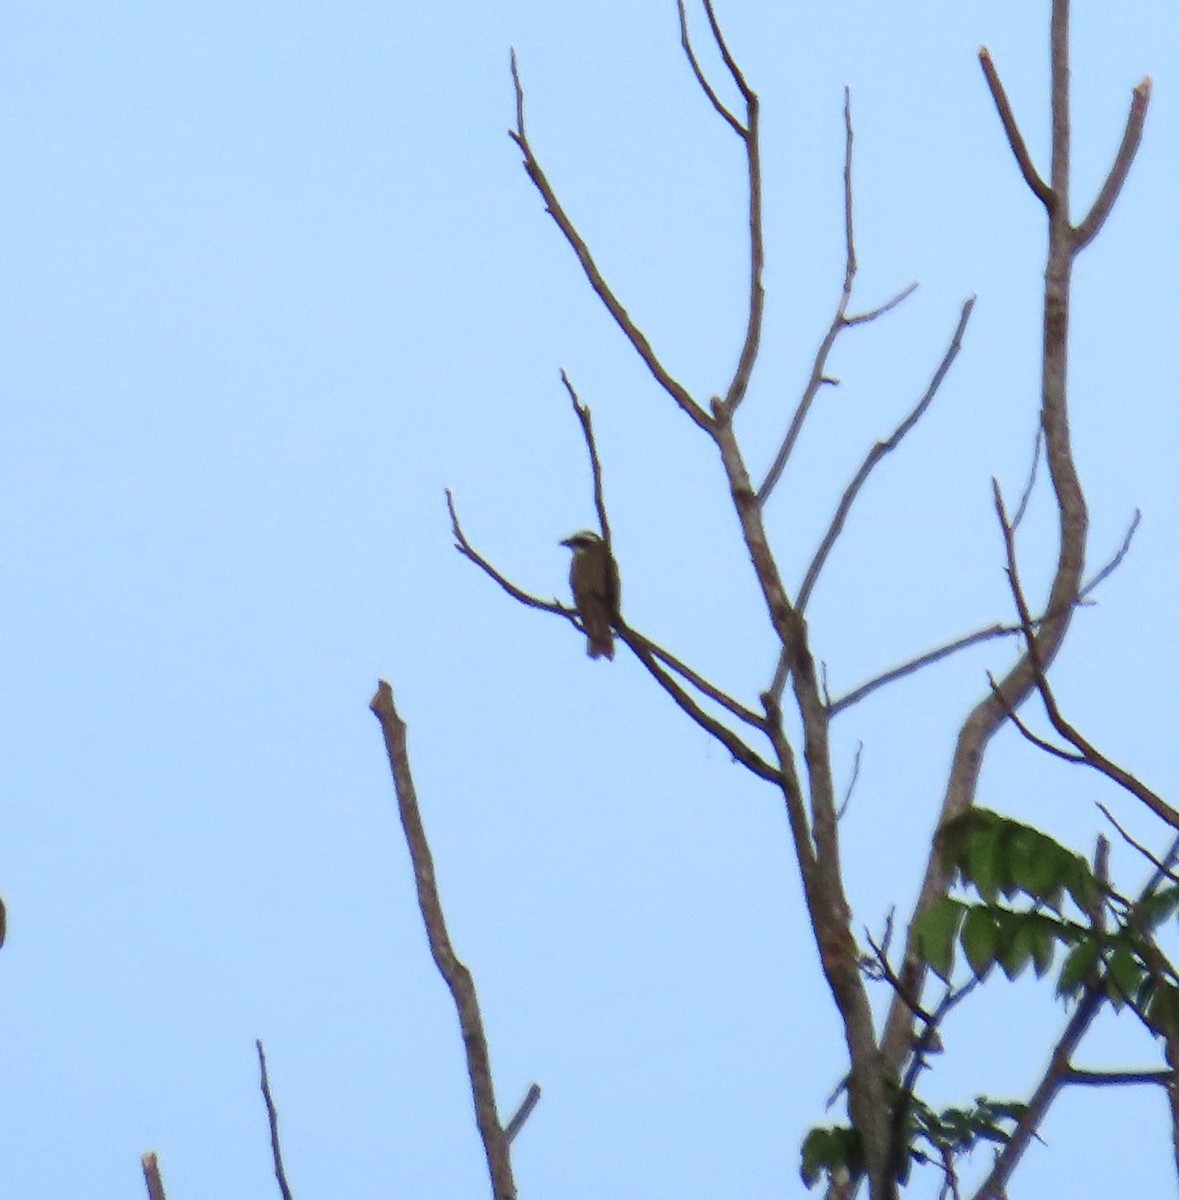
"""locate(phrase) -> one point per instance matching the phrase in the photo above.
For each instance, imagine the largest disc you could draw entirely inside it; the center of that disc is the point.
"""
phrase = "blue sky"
(271, 277)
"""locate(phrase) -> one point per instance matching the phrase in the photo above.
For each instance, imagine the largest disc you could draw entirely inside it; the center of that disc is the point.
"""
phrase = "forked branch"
(839, 322)
(750, 134)
(877, 453)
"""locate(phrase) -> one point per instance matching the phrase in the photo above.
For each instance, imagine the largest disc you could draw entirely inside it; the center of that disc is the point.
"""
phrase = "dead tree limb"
(456, 976)
(152, 1177)
(272, 1119)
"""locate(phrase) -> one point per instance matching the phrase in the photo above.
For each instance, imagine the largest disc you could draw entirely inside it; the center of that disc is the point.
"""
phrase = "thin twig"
(1014, 138)
(877, 453)
(1116, 560)
(1160, 866)
(468, 551)
(701, 78)
(726, 55)
(1089, 228)
(1069, 756)
(457, 977)
(1090, 756)
(1117, 1078)
(152, 1177)
(272, 1117)
(749, 133)
(530, 1101)
(997, 630)
(1025, 499)
(839, 322)
(872, 313)
(597, 281)
(591, 445)
(979, 636)
(851, 784)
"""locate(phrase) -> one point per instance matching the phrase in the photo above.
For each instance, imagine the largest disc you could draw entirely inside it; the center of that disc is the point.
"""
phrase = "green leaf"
(1016, 942)
(1158, 906)
(1081, 884)
(1163, 1006)
(1124, 973)
(816, 1154)
(832, 1151)
(1034, 864)
(984, 862)
(980, 939)
(1077, 967)
(934, 934)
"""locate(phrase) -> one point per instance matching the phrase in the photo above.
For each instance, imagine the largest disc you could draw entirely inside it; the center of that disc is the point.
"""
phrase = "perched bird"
(593, 576)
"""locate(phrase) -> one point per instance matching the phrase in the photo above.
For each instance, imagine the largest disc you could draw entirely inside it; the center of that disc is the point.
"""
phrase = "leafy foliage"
(836, 1152)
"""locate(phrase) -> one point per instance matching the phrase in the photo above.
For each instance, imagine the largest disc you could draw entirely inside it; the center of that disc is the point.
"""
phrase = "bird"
(593, 576)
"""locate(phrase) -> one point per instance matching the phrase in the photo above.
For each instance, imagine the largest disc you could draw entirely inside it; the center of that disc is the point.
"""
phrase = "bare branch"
(1025, 499)
(530, 1101)
(457, 977)
(1089, 755)
(997, 630)
(272, 1117)
(701, 79)
(749, 134)
(839, 322)
(1162, 870)
(698, 681)
(850, 262)
(1069, 756)
(876, 454)
(1117, 1078)
(742, 753)
(851, 785)
(622, 318)
(1014, 138)
(468, 551)
(800, 829)
(591, 445)
(151, 1176)
(1090, 227)
(1116, 561)
(757, 257)
(730, 62)
(930, 657)
(872, 313)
